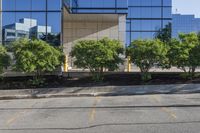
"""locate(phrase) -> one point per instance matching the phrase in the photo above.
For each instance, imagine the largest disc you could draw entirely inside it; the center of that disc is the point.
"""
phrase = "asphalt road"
(126, 114)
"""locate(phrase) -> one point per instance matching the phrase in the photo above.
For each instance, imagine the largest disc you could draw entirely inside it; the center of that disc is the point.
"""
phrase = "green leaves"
(97, 55)
(5, 59)
(184, 53)
(146, 54)
(36, 56)
(164, 34)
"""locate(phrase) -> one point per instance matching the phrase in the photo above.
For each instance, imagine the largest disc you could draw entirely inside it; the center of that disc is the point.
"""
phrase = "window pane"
(15, 25)
(134, 2)
(145, 12)
(122, 4)
(135, 35)
(156, 2)
(8, 29)
(128, 25)
(167, 2)
(100, 6)
(128, 37)
(38, 4)
(8, 5)
(38, 29)
(147, 35)
(142, 35)
(23, 4)
(96, 3)
(54, 23)
(167, 13)
(54, 4)
(136, 25)
(145, 25)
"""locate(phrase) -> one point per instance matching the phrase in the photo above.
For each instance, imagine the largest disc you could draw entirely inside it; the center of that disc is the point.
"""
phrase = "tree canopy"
(146, 54)
(4, 59)
(97, 55)
(184, 52)
(36, 56)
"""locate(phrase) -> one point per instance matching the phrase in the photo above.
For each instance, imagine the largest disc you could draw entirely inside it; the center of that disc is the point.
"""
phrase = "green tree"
(165, 34)
(97, 55)
(184, 53)
(53, 40)
(36, 56)
(4, 59)
(198, 36)
(146, 54)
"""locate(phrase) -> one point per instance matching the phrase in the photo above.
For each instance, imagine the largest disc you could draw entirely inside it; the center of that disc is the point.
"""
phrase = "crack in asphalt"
(101, 125)
(106, 107)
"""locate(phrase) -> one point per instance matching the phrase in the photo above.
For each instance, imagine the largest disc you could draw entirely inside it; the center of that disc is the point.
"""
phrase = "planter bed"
(121, 79)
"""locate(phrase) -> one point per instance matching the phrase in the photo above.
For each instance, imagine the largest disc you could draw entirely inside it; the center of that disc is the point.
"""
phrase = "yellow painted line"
(164, 109)
(93, 111)
(171, 113)
(92, 115)
(16, 116)
(156, 98)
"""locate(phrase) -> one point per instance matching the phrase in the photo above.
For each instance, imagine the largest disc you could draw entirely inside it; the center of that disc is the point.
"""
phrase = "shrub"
(36, 56)
(97, 56)
(4, 59)
(146, 54)
(184, 53)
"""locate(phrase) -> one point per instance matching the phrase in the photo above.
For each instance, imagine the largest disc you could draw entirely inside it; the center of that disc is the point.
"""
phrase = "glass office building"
(184, 24)
(67, 21)
(31, 19)
(144, 17)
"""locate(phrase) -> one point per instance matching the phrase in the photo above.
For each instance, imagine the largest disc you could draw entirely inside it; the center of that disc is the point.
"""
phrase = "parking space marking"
(93, 111)
(171, 113)
(17, 116)
(164, 109)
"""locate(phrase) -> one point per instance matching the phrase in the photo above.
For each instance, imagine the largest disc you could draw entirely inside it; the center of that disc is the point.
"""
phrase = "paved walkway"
(101, 91)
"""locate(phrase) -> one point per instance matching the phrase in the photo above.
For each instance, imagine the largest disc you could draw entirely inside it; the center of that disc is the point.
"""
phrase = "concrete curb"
(100, 91)
(11, 97)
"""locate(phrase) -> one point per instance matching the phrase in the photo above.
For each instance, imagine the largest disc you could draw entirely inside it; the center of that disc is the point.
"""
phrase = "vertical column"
(122, 29)
(122, 37)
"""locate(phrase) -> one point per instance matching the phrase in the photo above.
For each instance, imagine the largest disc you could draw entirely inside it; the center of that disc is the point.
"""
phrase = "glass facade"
(97, 6)
(184, 24)
(43, 18)
(32, 19)
(144, 17)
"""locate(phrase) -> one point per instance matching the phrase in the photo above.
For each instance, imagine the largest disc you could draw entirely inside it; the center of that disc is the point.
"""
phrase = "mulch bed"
(109, 80)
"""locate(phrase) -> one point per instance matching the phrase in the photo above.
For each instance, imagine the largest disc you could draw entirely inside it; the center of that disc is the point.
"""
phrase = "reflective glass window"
(38, 5)
(144, 12)
(122, 3)
(128, 38)
(145, 2)
(23, 4)
(27, 18)
(145, 25)
(167, 12)
(54, 4)
(167, 2)
(135, 35)
(8, 5)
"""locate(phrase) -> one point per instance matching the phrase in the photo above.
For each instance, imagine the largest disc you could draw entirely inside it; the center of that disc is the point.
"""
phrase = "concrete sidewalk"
(100, 91)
